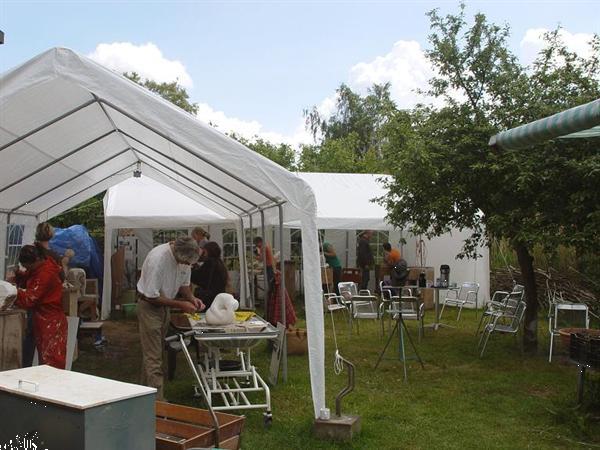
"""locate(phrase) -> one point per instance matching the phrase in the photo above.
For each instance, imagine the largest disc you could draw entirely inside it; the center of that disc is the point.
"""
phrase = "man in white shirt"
(165, 273)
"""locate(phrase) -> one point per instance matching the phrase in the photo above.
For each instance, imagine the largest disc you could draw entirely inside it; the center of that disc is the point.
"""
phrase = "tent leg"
(282, 287)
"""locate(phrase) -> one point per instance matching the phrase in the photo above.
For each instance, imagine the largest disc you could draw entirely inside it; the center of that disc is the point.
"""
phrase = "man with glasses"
(165, 273)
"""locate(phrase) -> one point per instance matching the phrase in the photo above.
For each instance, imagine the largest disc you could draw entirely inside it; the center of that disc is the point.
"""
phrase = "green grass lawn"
(504, 400)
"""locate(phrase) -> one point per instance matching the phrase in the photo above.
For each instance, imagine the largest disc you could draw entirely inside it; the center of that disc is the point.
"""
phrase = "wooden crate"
(351, 274)
(182, 427)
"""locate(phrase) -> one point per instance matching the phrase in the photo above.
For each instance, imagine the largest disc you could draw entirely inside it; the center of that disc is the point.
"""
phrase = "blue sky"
(254, 66)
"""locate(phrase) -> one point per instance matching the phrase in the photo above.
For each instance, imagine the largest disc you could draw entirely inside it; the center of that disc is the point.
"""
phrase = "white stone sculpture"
(222, 310)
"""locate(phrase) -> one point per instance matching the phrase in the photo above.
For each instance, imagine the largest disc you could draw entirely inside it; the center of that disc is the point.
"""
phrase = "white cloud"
(145, 59)
(250, 129)
(406, 67)
(533, 42)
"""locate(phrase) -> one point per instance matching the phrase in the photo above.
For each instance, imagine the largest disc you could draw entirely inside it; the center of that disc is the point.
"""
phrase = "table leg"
(436, 322)
(436, 295)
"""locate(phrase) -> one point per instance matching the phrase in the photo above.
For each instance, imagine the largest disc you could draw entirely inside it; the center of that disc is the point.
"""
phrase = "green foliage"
(172, 91)
(282, 154)
(352, 139)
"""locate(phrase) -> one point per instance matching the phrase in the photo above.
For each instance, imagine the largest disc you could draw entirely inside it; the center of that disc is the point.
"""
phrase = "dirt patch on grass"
(542, 391)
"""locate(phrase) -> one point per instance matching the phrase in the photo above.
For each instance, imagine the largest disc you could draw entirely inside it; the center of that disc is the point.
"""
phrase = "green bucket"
(129, 309)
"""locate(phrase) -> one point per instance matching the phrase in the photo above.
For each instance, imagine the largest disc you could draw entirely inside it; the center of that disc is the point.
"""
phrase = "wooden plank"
(11, 339)
(180, 429)
(232, 443)
(229, 424)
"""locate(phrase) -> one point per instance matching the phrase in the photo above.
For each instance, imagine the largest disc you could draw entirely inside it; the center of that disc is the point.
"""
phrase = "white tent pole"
(47, 124)
(16, 212)
(282, 287)
(252, 287)
(347, 249)
(107, 281)
(266, 286)
(241, 238)
(6, 245)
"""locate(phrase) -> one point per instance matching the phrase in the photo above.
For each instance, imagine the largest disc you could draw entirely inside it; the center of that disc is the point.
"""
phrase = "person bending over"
(165, 273)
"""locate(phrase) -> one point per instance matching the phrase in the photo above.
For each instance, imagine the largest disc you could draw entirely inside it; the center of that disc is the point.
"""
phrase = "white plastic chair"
(466, 294)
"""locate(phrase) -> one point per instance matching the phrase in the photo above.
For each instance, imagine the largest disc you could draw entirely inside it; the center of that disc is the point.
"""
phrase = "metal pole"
(282, 287)
(252, 284)
(6, 245)
(347, 249)
(243, 263)
(266, 286)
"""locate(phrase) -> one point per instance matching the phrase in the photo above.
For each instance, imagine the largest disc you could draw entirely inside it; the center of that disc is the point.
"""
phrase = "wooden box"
(69, 301)
(12, 325)
(182, 427)
(69, 410)
(327, 278)
(351, 274)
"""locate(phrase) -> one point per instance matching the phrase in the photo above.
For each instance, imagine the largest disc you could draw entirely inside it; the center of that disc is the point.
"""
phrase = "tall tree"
(282, 154)
(449, 178)
(352, 138)
(172, 91)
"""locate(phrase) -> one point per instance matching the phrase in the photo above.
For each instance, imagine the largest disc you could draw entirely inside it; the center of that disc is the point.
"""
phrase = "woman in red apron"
(41, 291)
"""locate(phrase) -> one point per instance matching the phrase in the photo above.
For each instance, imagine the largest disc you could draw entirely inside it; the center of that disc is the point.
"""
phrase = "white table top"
(66, 388)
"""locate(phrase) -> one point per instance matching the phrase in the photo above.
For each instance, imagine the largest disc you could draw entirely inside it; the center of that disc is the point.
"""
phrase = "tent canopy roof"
(70, 128)
(343, 202)
(126, 206)
(580, 122)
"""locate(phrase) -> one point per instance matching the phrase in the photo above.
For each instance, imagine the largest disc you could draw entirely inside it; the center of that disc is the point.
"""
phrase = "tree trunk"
(531, 313)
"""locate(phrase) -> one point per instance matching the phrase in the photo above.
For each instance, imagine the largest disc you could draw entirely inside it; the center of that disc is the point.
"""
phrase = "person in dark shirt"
(364, 257)
(211, 277)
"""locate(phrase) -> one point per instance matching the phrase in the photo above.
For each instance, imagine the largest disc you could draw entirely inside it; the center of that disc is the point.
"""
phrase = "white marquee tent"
(343, 203)
(70, 128)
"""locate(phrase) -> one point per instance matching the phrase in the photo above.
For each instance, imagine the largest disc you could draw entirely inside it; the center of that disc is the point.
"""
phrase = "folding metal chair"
(501, 301)
(466, 294)
(362, 304)
(507, 321)
(568, 310)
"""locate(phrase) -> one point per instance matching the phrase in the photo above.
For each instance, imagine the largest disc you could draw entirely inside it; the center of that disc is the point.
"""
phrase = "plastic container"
(129, 309)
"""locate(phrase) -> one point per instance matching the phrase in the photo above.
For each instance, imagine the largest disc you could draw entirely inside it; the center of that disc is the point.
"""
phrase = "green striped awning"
(581, 121)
